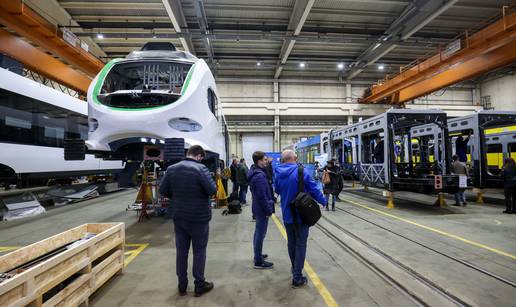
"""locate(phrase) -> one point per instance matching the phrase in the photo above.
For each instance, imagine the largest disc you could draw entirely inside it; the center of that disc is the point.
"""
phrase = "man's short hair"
(242, 160)
(257, 156)
(455, 157)
(196, 150)
(288, 155)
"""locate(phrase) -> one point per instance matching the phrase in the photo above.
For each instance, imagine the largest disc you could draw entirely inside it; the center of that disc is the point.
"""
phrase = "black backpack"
(304, 204)
(234, 207)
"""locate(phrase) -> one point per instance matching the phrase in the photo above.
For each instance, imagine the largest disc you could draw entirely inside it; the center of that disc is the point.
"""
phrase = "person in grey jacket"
(189, 186)
(459, 168)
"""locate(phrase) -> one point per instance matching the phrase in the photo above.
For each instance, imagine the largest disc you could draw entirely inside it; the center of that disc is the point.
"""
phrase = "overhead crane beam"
(26, 22)
(490, 48)
(42, 63)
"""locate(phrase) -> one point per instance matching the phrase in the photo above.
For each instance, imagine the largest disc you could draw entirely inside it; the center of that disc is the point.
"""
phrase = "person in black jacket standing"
(189, 185)
(333, 187)
(234, 168)
(509, 185)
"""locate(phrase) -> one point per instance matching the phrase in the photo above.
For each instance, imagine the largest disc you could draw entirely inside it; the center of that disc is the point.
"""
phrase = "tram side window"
(512, 150)
(212, 102)
(494, 155)
(24, 120)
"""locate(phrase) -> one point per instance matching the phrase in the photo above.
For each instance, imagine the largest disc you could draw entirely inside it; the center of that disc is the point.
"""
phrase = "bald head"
(288, 156)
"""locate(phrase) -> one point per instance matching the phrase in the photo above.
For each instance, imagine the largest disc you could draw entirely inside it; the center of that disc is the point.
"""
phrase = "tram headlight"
(93, 124)
(184, 124)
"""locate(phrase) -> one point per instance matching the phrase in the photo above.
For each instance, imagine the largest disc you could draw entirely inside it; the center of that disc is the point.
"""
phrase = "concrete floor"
(149, 280)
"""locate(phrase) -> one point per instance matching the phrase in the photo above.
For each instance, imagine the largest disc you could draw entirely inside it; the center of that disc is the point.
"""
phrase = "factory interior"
(257, 153)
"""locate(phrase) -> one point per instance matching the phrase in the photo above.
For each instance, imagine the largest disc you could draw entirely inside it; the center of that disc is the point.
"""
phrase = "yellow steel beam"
(29, 24)
(488, 49)
(42, 63)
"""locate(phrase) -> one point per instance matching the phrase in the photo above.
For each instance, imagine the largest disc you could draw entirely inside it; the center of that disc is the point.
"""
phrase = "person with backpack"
(263, 205)
(241, 179)
(287, 186)
(331, 187)
(189, 186)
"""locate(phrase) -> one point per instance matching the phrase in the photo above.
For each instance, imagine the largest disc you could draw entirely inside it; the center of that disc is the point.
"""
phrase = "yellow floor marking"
(498, 222)
(441, 232)
(130, 254)
(4, 249)
(323, 291)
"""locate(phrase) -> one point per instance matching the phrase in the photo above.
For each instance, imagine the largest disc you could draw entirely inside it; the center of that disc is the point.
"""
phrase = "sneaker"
(333, 209)
(464, 204)
(263, 265)
(182, 291)
(507, 211)
(327, 209)
(299, 283)
(205, 288)
(456, 205)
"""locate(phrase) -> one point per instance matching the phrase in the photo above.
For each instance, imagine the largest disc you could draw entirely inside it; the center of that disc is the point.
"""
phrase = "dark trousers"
(242, 195)
(197, 234)
(235, 187)
(333, 197)
(260, 231)
(510, 198)
(297, 239)
(225, 185)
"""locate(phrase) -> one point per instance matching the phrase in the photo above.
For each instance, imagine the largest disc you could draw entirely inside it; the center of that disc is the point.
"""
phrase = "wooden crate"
(89, 265)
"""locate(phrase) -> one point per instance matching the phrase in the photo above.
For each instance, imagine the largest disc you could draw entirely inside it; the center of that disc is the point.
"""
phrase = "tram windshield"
(143, 84)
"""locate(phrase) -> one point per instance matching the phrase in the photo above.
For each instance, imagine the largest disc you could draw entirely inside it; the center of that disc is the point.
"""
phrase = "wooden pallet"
(82, 269)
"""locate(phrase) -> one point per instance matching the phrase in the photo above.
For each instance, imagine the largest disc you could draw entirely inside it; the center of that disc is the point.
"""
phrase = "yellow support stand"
(390, 200)
(480, 196)
(441, 202)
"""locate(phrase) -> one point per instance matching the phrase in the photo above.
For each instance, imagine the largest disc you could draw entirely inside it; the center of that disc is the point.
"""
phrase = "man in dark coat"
(234, 168)
(243, 183)
(189, 186)
(461, 148)
(378, 150)
(509, 185)
(263, 205)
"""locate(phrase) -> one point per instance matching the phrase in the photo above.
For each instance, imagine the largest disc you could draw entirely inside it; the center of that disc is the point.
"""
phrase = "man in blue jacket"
(263, 206)
(189, 185)
(297, 233)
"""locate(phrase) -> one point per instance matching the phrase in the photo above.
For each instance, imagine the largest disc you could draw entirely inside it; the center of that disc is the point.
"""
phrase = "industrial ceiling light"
(340, 66)
(100, 36)
(258, 63)
(381, 67)
(302, 65)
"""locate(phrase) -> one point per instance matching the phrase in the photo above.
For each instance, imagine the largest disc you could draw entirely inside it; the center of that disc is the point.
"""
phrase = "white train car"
(154, 104)
(34, 122)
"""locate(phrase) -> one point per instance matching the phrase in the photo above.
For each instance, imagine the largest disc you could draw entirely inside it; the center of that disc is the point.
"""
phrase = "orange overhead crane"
(42, 63)
(21, 19)
(470, 55)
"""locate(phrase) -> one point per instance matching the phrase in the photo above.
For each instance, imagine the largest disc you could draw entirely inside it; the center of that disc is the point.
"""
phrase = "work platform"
(342, 271)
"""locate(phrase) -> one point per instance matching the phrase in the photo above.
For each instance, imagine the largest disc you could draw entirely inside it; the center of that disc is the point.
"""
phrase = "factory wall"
(500, 93)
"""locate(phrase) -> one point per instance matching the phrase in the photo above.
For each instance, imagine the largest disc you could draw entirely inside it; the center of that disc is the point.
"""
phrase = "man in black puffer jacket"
(189, 185)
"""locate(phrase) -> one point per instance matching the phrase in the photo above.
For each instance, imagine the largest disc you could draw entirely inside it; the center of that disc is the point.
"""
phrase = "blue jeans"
(333, 197)
(197, 234)
(460, 197)
(297, 239)
(243, 193)
(260, 231)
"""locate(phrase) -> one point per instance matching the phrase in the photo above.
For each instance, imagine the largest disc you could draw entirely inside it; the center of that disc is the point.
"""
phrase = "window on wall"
(213, 102)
